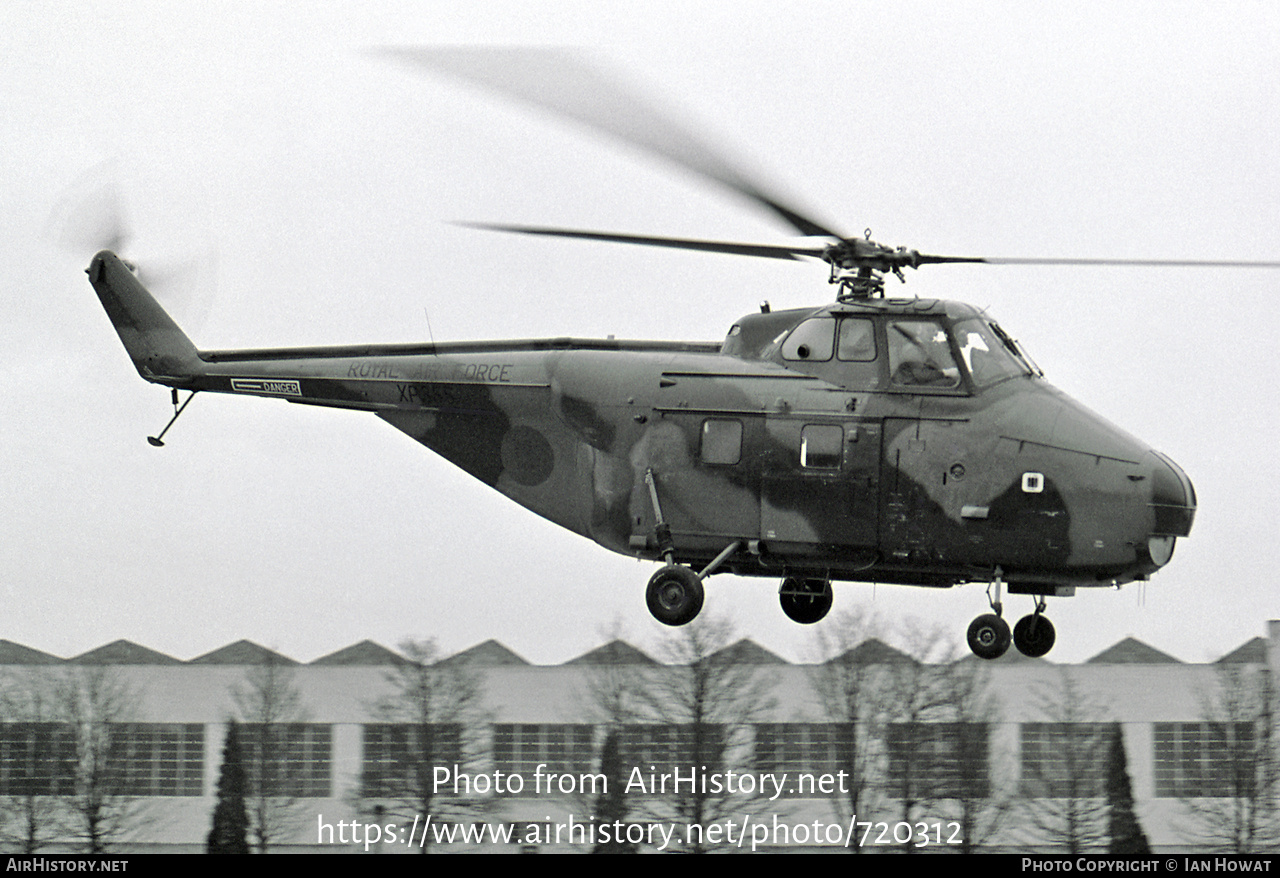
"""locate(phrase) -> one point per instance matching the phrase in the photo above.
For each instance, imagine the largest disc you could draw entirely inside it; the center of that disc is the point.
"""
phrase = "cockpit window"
(986, 353)
(857, 340)
(920, 355)
(811, 341)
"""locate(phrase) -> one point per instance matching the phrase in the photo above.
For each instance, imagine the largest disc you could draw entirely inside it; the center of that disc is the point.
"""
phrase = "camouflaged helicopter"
(872, 439)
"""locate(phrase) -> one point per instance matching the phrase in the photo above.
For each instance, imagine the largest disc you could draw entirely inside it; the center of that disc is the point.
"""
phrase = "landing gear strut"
(1034, 635)
(675, 592)
(805, 600)
(989, 633)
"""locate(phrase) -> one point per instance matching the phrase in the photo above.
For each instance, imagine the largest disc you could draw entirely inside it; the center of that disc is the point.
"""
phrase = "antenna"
(429, 332)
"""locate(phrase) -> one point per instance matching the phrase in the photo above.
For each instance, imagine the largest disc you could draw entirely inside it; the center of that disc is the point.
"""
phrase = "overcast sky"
(324, 178)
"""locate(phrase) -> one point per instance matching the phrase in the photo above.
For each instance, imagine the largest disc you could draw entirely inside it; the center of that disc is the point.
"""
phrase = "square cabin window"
(857, 340)
(822, 446)
(721, 441)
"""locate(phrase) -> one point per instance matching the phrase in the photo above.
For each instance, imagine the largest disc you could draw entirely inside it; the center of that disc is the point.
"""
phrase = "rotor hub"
(858, 265)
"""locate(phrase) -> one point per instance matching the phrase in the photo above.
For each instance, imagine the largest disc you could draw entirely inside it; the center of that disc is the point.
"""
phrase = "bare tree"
(614, 699)
(434, 717)
(272, 723)
(851, 681)
(617, 683)
(922, 734)
(1224, 768)
(39, 756)
(941, 714)
(1064, 768)
(96, 702)
(701, 705)
(979, 804)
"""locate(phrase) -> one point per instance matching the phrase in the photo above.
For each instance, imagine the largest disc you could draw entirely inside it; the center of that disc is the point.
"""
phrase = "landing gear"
(674, 595)
(675, 592)
(989, 633)
(805, 600)
(1034, 635)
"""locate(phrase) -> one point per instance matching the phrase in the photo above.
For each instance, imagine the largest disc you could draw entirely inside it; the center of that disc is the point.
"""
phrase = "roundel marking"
(527, 456)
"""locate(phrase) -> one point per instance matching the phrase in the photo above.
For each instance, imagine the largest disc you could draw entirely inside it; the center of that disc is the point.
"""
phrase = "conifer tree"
(611, 806)
(1123, 828)
(230, 832)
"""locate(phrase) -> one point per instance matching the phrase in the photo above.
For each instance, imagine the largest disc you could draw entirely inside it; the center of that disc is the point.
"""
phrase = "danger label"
(264, 385)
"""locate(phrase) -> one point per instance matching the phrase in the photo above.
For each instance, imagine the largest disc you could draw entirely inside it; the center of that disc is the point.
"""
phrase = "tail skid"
(161, 352)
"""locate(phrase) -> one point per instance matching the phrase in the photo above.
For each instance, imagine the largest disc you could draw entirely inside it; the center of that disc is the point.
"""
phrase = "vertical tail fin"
(160, 351)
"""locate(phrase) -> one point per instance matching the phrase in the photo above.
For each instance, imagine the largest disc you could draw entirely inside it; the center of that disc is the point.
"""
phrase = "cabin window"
(822, 446)
(857, 340)
(811, 341)
(721, 441)
(920, 355)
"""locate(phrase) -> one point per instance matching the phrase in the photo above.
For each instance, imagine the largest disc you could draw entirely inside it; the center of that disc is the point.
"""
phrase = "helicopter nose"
(1173, 502)
(1173, 499)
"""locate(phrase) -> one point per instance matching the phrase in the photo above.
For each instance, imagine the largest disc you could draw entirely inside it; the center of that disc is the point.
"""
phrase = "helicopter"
(870, 439)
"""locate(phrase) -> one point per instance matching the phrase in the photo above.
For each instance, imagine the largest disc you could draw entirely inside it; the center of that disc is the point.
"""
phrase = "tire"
(805, 601)
(1034, 635)
(989, 636)
(674, 595)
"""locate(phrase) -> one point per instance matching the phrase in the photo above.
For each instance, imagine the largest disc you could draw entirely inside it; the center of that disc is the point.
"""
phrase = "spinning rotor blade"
(764, 250)
(90, 219)
(1156, 263)
(565, 83)
(849, 253)
(92, 215)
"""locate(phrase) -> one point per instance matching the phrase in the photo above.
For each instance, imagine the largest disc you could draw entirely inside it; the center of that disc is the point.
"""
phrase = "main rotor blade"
(1157, 263)
(833, 253)
(767, 251)
(923, 259)
(565, 83)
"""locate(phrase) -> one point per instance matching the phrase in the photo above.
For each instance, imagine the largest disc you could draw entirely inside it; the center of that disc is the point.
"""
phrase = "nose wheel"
(989, 633)
(805, 600)
(1034, 635)
(989, 636)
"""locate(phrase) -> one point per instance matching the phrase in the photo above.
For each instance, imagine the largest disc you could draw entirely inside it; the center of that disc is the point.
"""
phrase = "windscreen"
(988, 353)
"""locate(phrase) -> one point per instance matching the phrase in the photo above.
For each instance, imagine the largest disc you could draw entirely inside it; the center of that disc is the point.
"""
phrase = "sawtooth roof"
(615, 652)
(243, 652)
(123, 652)
(1132, 651)
(491, 652)
(366, 652)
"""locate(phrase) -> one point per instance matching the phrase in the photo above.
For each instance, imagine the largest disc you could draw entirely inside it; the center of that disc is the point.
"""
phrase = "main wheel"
(805, 600)
(674, 595)
(989, 636)
(1034, 635)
